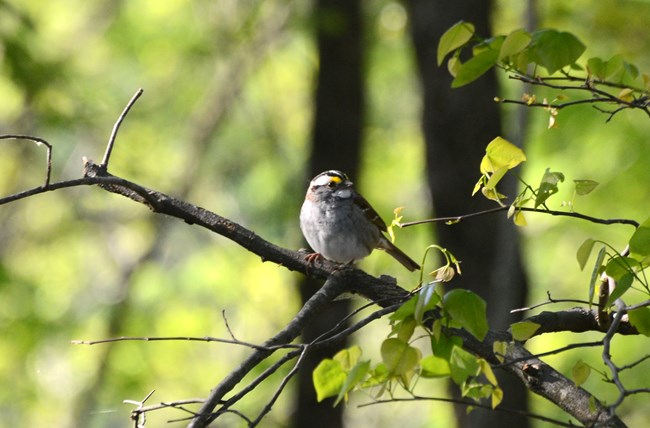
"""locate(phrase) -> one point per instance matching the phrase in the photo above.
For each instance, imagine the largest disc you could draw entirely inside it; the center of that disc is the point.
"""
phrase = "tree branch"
(456, 219)
(576, 320)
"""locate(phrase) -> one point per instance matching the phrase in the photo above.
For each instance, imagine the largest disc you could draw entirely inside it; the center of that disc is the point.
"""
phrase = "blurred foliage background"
(224, 123)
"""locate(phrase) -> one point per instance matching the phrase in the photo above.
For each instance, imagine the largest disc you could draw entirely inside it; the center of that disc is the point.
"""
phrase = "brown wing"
(370, 212)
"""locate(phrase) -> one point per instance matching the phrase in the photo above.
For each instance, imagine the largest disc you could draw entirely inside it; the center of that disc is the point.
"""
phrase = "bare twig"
(183, 338)
(547, 353)
(634, 364)
(550, 301)
(456, 219)
(280, 388)
(116, 128)
(38, 141)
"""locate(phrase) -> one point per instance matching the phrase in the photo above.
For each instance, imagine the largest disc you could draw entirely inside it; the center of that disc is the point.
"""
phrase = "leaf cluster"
(545, 57)
(433, 313)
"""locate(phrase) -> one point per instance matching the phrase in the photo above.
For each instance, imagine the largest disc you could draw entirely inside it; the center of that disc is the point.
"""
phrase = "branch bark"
(534, 373)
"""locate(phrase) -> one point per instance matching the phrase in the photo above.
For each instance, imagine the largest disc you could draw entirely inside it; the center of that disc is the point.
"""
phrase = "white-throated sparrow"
(340, 224)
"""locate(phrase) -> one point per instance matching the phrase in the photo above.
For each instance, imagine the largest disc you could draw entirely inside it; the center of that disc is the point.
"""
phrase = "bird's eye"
(331, 184)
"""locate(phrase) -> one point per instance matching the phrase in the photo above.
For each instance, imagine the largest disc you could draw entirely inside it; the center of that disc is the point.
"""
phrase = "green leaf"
(455, 37)
(486, 369)
(427, 299)
(406, 310)
(501, 153)
(615, 70)
(443, 346)
(515, 42)
(496, 177)
(406, 328)
(398, 356)
(433, 366)
(640, 319)
(328, 378)
(622, 285)
(619, 266)
(377, 376)
(524, 330)
(595, 273)
(640, 240)
(604, 70)
(580, 372)
(348, 357)
(597, 68)
(463, 365)
(355, 376)
(475, 67)
(453, 65)
(469, 310)
(553, 49)
(584, 252)
(519, 219)
(499, 348)
(584, 187)
(548, 186)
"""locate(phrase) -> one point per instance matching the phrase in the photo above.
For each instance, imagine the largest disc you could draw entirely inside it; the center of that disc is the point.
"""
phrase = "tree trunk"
(457, 125)
(336, 144)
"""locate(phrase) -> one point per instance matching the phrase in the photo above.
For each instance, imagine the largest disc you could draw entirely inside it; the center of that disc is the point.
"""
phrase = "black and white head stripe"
(329, 177)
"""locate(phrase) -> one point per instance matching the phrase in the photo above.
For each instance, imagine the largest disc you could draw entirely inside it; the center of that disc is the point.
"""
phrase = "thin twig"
(634, 364)
(547, 353)
(185, 338)
(116, 128)
(456, 219)
(269, 405)
(38, 141)
(548, 302)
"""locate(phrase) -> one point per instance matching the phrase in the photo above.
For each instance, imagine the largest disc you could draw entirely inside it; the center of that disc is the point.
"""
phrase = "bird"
(340, 225)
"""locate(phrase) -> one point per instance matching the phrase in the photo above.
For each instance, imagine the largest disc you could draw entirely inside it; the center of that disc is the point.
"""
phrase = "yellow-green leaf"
(348, 357)
(497, 397)
(405, 329)
(455, 37)
(595, 273)
(640, 319)
(499, 349)
(354, 377)
(584, 187)
(501, 153)
(524, 330)
(520, 219)
(584, 251)
(640, 240)
(514, 43)
(486, 369)
(475, 67)
(328, 378)
(433, 366)
(580, 372)
(398, 356)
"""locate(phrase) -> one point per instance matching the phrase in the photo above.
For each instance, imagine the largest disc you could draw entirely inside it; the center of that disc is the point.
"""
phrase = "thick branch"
(576, 320)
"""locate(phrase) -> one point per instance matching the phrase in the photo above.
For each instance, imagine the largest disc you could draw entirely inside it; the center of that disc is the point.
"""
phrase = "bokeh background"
(225, 123)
